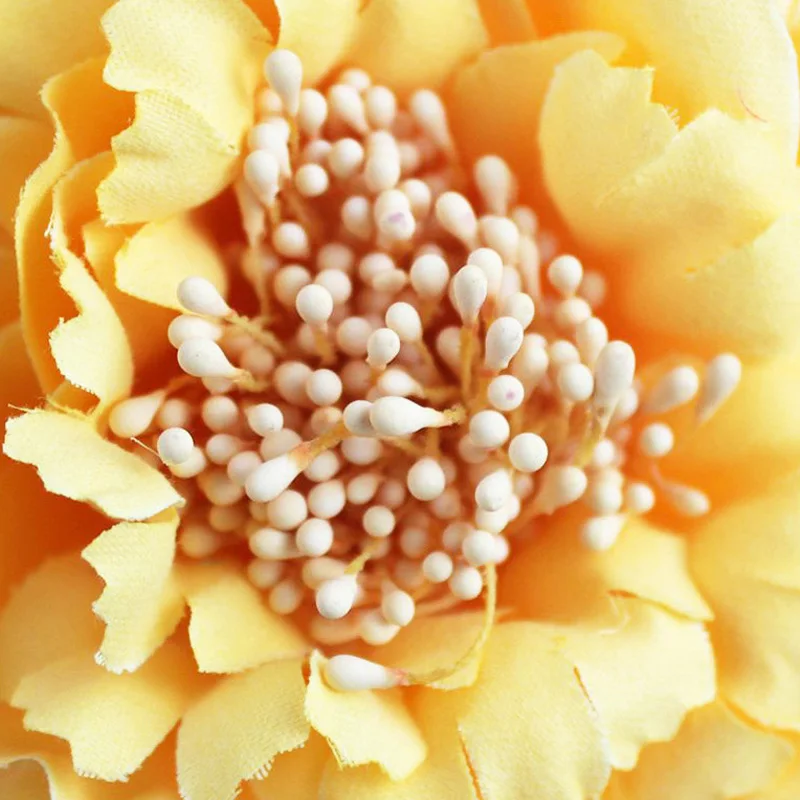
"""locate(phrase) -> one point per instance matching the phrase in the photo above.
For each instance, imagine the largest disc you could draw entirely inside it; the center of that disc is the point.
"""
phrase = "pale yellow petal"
(752, 440)
(364, 727)
(786, 786)
(24, 143)
(557, 578)
(444, 775)
(231, 629)
(320, 33)
(153, 261)
(295, 775)
(194, 65)
(715, 754)
(112, 722)
(72, 98)
(408, 44)
(49, 617)
(74, 460)
(746, 560)
(141, 603)
(91, 350)
(236, 730)
(39, 39)
(674, 213)
(526, 726)
(495, 102)
(434, 643)
(734, 57)
(644, 677)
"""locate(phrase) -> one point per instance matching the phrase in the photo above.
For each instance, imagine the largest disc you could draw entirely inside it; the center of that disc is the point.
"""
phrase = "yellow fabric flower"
(657, 140)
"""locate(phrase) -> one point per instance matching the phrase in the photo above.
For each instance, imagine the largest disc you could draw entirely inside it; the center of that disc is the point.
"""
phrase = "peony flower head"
(400, 400)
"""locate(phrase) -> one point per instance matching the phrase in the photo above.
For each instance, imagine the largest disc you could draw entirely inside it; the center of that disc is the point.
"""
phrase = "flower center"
(413, 394)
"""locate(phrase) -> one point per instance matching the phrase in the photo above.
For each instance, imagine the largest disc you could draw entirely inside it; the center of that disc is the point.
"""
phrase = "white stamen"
(274, 476)
(326, 500)
(437, 567)
(503, 341)
(374, 629)
(520, 306)
(466, 583)
(311, 180)
(288, 282)
(429, 112)
(560, 487)
(203, 358)
(335, 597)
(381, 106)
(656, 440)
(677, 387)
(600, 533)
(175, 445)
(271, 544)
(470, 289)
(565, 274)
(575, 382)
(314, 537)
(284, 71)
(345, 158)
(314, 304)
(346, 104)
(613, 374)
(352, 674)
(426, 479)
(379, 521)
(479, 548)
(494, 490)
(398, 416)
(495, 182)
(200, 296)
(242, 465)
(262, 171)
(188, 327)
(686, 500)
(489, 429)
(132, 417)
(722, 376)
(288, 510)
(264, 418)
(404, 320)
(639, 498)
(398, 607)
(506, 393)
(457, 217)
(290, 239)
(192, 467)
(313, 112)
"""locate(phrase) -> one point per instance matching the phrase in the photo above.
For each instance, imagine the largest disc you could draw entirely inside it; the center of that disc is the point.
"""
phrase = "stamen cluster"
(412, 393)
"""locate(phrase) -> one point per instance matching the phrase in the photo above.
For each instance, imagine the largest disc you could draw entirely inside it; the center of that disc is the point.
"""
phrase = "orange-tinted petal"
(75, 461)
(786, 786)
(507, 23)
(746, 560)
(141, 603)
(231, 629)
(644, 677)
(24, 780)
(364, 727)
(495, 102)
(49, 617)
(320, 33)
(557, 578)
(112, 722)
(9, 286)
(295, 775)
(38, 40)
(236, 730)
(715, 754)
(408, 44)
(194, 65)
(526, 726)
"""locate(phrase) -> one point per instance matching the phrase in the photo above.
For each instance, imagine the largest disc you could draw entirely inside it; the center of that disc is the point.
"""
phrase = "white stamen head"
(426, 479)
(352, 674)
(677, 387)
(722, 376)
(200, 296)
(203, 358)
(470, 289)
(284, 71)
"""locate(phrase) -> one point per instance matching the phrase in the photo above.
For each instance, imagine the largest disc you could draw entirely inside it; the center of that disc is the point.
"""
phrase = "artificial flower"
(428, 431)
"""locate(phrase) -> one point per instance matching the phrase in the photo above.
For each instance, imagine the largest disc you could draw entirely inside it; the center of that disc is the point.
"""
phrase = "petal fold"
(230, 627)
(74, 460)
(194, 65)
(235, 731)
(746, 560)
(112, 722)
(715, 754)
(643, 677)
(369, 727)
(141, 603)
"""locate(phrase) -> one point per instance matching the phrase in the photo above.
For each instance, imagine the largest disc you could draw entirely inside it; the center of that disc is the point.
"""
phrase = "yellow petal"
(195, 65)
(91, 350)
(752, 440)
(557, 578)
(670, 209)
(295, 775)
(444, 775)
(74, 460)
(48, 617)
(746, 560)
(434, 643)
(38, 40)
(157, 258)
(112, 722)
(71, 98)
(141, 603)
(715, 754)
(364, 727)
(696, 49)
(495, 102)
(408, 44)
(786, 786)
(644, 677)
(526, 727)
(507, 23)
(23, 145)
(230, 628)
(320, 33)
(235, 731)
